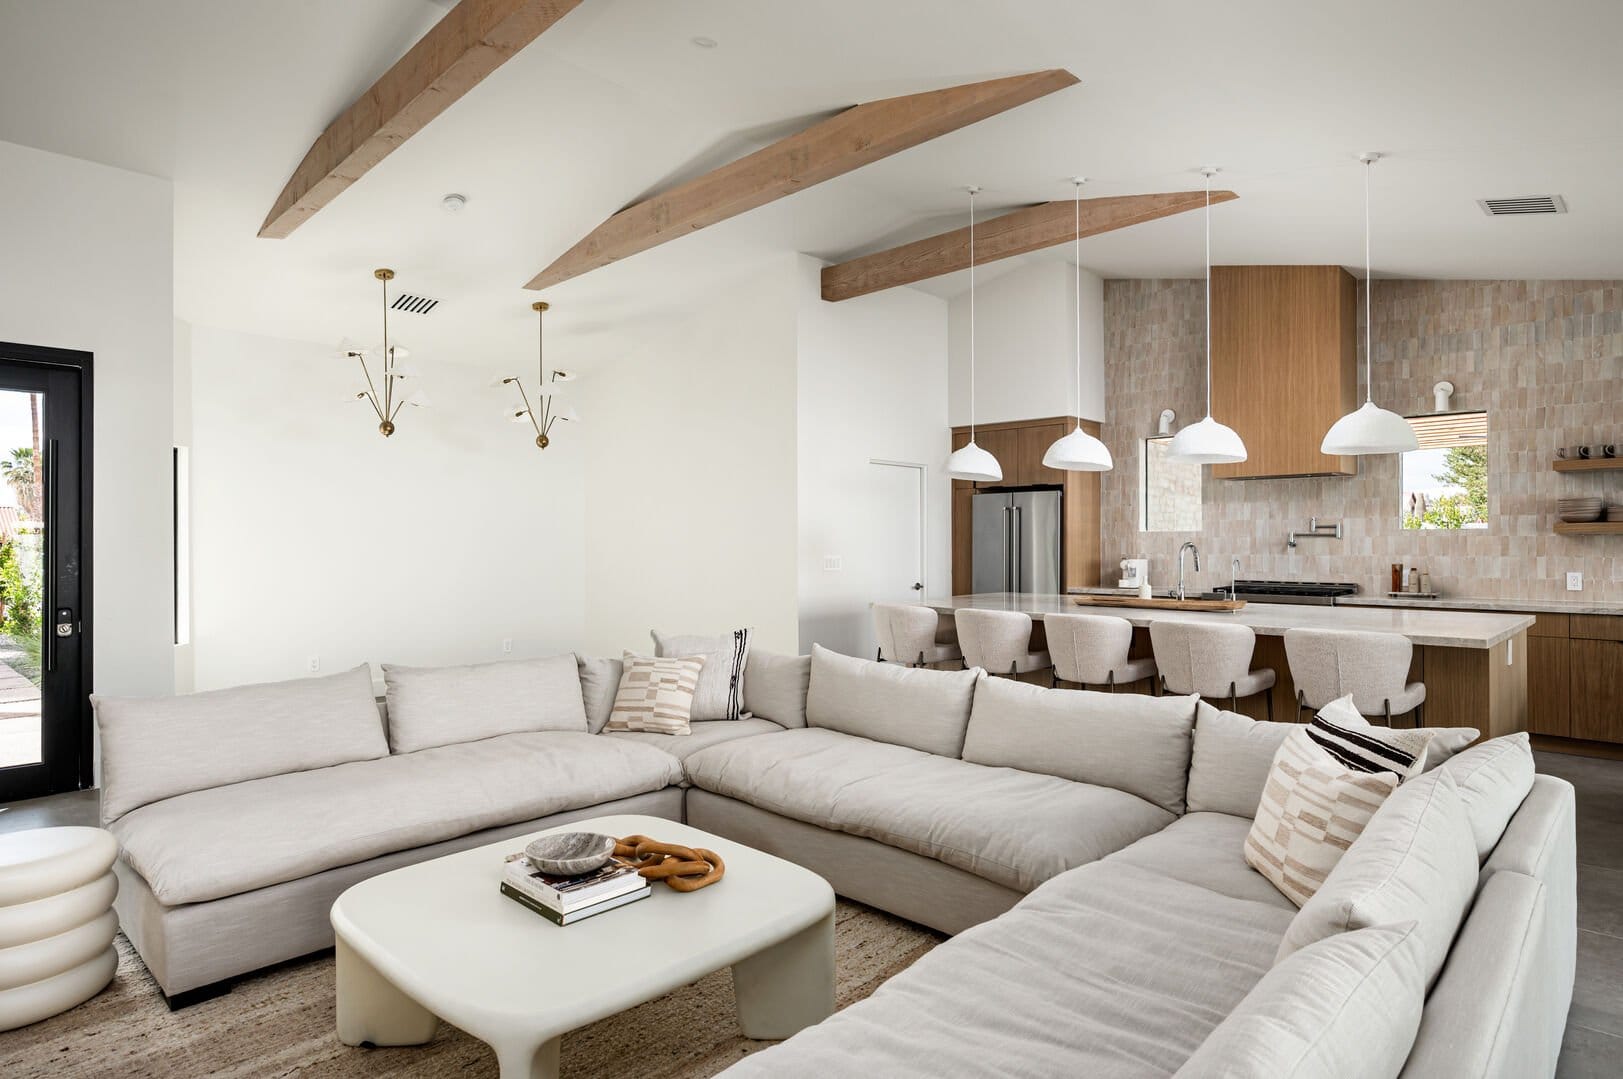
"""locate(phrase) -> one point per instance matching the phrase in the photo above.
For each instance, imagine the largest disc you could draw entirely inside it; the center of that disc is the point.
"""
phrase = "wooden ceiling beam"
(473, 39)
(859, 135)
(1030, 229)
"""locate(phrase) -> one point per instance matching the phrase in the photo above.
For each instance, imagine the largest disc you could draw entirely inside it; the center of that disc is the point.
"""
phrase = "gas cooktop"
(1323, 592)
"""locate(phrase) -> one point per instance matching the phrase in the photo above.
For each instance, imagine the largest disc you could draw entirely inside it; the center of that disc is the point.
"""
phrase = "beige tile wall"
(1544, 358)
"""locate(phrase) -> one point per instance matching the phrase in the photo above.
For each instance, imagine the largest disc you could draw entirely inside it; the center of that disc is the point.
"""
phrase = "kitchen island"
(1473, 662)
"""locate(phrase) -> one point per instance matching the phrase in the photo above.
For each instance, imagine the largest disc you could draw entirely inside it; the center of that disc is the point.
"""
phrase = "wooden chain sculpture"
(686, 869)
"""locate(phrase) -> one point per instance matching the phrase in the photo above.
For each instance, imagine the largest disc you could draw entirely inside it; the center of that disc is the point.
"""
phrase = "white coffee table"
(438, 940)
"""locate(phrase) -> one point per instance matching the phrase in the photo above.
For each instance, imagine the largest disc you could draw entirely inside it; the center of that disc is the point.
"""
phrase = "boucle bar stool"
(912, 635)
(1091, 649)
(998, 642)
(1374, 667)
(56, 921)
(1213, 661)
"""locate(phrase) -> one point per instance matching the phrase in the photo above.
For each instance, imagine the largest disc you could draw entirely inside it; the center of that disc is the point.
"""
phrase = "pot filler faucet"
(1314, 531)
(1189, 546)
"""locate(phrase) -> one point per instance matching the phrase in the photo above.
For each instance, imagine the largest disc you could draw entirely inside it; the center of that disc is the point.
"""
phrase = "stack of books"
(565, 900)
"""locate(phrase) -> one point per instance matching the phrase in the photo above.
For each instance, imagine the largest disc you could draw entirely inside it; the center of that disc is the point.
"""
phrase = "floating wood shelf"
(1588, 464)
(1589, 528)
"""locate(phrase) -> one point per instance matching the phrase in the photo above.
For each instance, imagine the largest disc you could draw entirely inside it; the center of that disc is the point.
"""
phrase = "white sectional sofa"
(1087, 848)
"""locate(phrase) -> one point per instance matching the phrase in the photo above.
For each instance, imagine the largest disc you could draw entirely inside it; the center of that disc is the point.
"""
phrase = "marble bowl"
(569, 854)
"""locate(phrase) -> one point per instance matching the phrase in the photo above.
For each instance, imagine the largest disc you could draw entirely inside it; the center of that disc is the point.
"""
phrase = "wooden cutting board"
(1160, 603)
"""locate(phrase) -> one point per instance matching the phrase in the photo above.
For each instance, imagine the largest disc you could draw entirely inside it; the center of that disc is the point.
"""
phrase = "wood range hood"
(1284, 365)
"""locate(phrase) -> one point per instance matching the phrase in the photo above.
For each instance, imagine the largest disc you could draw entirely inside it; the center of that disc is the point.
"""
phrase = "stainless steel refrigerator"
(1015, 541)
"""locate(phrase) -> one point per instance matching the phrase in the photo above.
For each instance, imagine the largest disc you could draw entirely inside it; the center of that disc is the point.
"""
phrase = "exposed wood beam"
(473, 39)
(1029, 229)
(830, 148)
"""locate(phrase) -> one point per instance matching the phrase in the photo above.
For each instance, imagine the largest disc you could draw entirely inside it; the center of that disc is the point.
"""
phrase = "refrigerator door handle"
(1019, 560)
(1008, 547)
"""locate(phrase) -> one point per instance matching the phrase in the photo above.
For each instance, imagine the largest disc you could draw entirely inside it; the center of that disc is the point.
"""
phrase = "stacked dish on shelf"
(1580, 509)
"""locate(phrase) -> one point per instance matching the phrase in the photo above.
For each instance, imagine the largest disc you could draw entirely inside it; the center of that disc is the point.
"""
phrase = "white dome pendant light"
(1078, 451)
(1371, 429)
(971, 462)
(1207, 442)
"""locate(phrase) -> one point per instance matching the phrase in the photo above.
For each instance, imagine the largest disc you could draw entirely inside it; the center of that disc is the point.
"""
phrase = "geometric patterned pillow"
(655, 694)
(1312, 809)
(1358, 743)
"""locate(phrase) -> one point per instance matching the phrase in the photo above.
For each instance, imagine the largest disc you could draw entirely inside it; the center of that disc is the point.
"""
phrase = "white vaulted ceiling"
(225, 96)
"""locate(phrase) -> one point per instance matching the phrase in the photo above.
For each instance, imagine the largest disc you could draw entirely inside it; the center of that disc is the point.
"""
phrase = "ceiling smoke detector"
(1523, 204)
(704, 42)
(453, 203)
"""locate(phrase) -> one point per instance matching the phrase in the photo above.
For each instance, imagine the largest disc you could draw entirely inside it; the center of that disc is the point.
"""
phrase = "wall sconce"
(1167, 418)
(1440, 394)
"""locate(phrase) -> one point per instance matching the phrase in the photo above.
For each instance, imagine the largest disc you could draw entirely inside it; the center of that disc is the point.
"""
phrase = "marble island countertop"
(1436, 628)
(1441, 603)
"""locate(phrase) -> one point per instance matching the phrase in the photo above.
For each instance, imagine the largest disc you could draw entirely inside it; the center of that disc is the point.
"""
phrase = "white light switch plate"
(1575, 582)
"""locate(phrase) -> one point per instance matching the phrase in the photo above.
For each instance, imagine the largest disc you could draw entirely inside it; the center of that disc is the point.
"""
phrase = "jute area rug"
(281, 1023)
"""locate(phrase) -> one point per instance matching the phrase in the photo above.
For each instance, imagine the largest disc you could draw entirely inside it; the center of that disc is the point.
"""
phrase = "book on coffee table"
(579, 913)
(565, 894)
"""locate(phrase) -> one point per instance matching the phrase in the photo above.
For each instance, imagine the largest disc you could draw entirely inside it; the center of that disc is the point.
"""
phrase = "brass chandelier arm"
(371, 389)
(528, 411)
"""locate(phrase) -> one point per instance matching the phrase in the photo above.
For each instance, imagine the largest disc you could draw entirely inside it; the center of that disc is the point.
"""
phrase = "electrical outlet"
(507, 644)
(833, 562)
(314, 664)
(1575, 582)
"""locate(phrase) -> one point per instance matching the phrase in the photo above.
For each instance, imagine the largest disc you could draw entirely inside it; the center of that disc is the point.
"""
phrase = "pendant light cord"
(1079, 181)
(1369, 297)
(1208, 293)
(972, 315)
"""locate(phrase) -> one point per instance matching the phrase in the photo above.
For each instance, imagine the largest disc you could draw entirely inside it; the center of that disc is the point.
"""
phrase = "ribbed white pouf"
(56, 921)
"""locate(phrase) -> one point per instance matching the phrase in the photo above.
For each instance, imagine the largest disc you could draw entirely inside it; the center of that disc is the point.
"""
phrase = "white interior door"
(893, 546)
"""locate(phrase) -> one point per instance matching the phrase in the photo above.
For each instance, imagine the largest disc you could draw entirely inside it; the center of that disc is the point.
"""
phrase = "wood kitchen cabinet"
(1548, 685)
(1596, 688)
(1284, 365)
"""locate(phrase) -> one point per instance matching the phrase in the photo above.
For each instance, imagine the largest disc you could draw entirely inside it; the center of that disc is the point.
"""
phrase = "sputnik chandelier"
(547, 408)
(383, 398)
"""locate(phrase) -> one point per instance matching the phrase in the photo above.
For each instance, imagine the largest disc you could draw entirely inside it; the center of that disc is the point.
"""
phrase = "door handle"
(1008, 542)
(1019, 561)
(918, 586)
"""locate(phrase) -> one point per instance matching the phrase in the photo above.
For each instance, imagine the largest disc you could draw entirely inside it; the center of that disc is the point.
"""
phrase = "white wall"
(689, 439)
(314, 536)
(87, 262)
(872, 385)
(1025, 334)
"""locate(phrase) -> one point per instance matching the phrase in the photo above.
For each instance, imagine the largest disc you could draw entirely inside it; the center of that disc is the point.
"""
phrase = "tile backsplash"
(1544, 359)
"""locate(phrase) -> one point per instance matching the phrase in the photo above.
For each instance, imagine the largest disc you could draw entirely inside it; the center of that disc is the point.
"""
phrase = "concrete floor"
(1594, 1043)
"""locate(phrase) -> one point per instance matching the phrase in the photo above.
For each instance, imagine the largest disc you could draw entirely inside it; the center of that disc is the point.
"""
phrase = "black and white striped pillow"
(721, 684)
(1361, 750)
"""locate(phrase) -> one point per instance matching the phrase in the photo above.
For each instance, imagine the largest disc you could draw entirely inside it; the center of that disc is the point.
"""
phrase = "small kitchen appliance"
(1135, 573)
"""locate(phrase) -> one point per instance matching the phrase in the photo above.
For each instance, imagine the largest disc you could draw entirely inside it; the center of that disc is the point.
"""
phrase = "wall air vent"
(413, 305)
(1525, 204)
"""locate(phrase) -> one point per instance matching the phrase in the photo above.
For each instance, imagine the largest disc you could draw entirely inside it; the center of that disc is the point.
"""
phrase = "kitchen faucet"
(1314, 531)
(1188, 545)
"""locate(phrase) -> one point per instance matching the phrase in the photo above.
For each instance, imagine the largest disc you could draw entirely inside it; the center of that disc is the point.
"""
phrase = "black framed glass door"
(45, 727)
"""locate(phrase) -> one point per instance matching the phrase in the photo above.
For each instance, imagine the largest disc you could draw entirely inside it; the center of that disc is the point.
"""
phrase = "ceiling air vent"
(413, 305)
(1525, 204)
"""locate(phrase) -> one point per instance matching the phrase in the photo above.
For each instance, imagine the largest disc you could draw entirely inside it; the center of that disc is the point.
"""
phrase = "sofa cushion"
(720, 692)
(701, 733)
(887, 702)
(158, 747)
(775, 687)
(1135, 743)
(237, 838)
(599, 682)
(1015, 828)
(1077, 980)
(1493, 779)
(1314, 807)
(655, 694)
(1348, 1005)
(1415, 861)
(1207, 850)
(436, 706)
(1229, 764)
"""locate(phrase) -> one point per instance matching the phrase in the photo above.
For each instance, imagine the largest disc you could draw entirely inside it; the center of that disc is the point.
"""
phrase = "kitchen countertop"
(1436, 628)
(1444, 603)
(1463, 603)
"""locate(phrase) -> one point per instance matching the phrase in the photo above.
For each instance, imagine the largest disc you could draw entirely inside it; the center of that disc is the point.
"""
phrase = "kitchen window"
(1444, 484)
(1171, 492)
